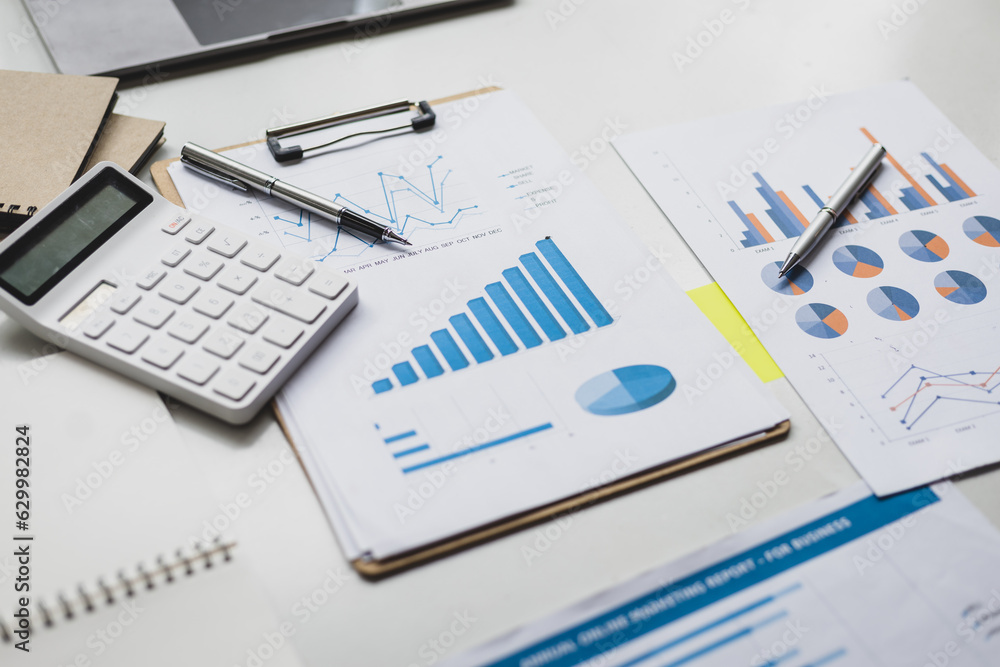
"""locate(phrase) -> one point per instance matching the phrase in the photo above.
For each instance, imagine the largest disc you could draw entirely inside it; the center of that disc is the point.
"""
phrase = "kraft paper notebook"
(51, 123)
(526, 357)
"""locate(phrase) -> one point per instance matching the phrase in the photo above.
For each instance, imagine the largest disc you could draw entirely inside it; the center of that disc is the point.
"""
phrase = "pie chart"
(858, 261)
(893, 303)
(984, 230)
(923, 246)
(625, 390)
(821, 320)
(795, 282)
(960, 287)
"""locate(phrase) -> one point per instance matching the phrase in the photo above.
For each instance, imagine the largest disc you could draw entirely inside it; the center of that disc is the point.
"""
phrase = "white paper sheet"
(889, 334)
(849, 580)
(489, 201)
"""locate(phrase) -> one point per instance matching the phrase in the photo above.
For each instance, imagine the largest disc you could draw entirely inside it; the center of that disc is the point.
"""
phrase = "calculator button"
(149, 279)
(223, 343)
(127, 338)
(227, 244)
(234, 384)
(327, 285)
(123, 302)
(176, 223)
(187, 328)
(203, 266)
(153, 314)
(175, 255)
(178, 289)
(213, 303)
(282, 332)
(98, 325)
(199, 232)
(197, 368)
(261, 257)
(259, 359)
(289, 300)
(294, 271)
(162, 353)
(237, 279)
(247, 317)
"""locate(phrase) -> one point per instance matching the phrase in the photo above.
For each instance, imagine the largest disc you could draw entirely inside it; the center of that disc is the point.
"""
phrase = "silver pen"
(241, 176)
(841, 199)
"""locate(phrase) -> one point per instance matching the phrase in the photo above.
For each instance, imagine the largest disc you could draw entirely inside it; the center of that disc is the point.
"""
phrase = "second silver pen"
(235, 173)
(841, 199)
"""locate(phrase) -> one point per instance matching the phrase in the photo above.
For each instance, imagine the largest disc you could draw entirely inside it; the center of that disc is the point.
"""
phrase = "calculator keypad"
(218, 311)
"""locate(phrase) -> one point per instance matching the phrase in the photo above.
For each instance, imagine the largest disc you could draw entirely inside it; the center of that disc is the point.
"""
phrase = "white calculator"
(116, 273)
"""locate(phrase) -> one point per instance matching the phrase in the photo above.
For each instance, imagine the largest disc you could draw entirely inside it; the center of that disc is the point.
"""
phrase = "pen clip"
(213, 174)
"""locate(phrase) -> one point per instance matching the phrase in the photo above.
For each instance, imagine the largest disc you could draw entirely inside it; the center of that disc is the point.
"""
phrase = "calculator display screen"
(69, 234)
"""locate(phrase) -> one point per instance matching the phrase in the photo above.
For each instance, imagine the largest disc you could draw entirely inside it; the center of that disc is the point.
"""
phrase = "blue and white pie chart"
(625, 390)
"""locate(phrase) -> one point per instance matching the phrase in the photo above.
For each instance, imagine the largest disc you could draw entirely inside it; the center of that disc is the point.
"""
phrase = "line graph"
(432, 198)
(928, 388)
(924, 380)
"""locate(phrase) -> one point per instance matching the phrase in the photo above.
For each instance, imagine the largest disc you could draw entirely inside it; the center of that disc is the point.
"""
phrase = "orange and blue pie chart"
(821, 320)
(893, 303)
(924, 246)
(984, 230)
(795, 282)
(960, 287)
(858, 261)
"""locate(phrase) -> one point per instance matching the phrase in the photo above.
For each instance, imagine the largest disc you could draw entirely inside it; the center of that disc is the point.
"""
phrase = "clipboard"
(374, 569)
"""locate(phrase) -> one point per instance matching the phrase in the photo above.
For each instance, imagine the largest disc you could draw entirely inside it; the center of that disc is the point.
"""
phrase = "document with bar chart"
(525, 349)
(850, 580)
(888, 329)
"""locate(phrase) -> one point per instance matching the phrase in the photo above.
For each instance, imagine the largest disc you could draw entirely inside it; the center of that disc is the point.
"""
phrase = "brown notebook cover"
(127, 141)
(50, 124)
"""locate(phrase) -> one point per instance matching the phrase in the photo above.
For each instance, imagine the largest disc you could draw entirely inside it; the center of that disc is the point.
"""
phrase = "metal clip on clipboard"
(424, 120)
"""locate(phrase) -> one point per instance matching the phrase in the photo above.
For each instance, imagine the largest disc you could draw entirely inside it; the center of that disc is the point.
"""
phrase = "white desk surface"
(579, 64)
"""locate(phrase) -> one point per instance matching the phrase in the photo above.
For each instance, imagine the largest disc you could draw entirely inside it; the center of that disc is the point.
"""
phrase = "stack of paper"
(525, 350)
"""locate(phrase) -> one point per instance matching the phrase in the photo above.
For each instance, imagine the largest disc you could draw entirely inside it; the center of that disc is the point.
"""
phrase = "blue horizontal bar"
(485, 445)
(713, 624)
(382, 386)
(401, 436)
(413, 450)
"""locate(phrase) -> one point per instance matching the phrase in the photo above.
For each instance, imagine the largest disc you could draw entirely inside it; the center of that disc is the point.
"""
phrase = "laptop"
(127, 38)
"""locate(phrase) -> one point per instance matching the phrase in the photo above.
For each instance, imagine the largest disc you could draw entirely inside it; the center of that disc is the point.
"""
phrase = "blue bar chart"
(541, 301)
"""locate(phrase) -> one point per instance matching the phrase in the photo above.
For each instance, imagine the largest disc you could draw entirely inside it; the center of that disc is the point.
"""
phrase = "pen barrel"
(860, 178)
(814, 232)
(226, 166)
(309, 201)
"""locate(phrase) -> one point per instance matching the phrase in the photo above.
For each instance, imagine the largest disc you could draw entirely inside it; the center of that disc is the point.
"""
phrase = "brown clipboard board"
(374, 569)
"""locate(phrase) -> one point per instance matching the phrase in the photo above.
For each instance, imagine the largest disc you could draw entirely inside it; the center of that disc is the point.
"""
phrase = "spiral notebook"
(51, 123)
(123, 556)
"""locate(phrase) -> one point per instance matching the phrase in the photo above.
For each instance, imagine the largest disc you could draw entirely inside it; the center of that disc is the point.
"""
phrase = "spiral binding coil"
(87, 602)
